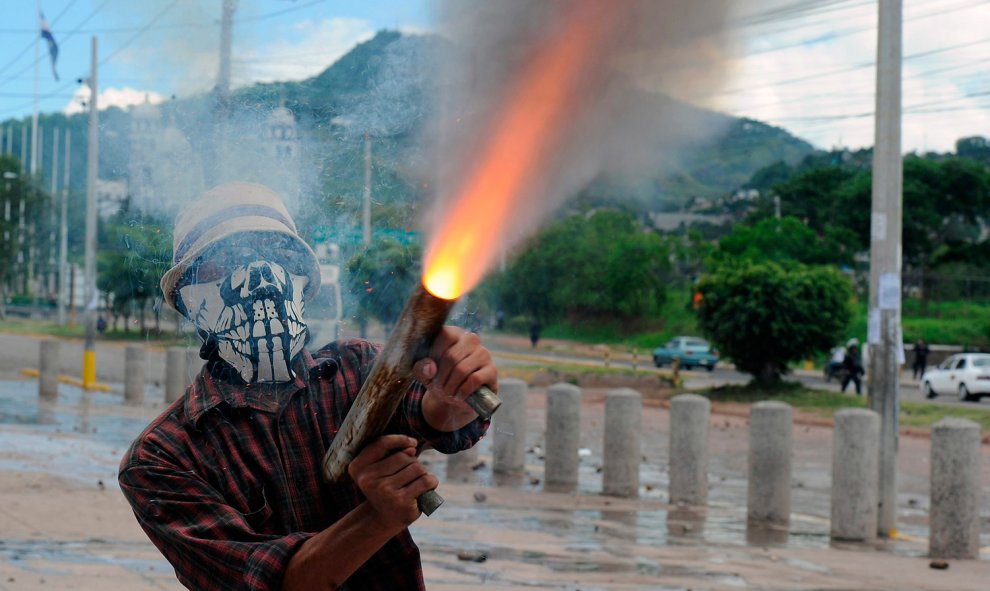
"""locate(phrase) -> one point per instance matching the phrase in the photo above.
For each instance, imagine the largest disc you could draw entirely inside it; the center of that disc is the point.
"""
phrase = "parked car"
(691, 351)
(967, 375)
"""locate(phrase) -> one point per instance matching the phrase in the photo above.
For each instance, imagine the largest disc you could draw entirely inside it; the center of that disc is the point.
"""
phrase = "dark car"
(691, 351)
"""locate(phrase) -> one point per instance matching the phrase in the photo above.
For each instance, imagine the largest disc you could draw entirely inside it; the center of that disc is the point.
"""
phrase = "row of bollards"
(955, 461)
(181, 365)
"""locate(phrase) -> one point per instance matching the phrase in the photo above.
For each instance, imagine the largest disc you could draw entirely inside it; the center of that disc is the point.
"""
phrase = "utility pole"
(89, 282)
(366, 216)
(218, 171)
(34, 116)
(884, 336)
(366, 206)
(63, 246)
(53, 217)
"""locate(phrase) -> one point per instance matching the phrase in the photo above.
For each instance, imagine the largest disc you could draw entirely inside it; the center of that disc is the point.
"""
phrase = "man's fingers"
(469, 374)
(378, 449)
(467, 345)
(425, 370)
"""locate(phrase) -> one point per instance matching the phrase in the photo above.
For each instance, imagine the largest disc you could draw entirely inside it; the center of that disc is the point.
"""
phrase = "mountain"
(382, 87)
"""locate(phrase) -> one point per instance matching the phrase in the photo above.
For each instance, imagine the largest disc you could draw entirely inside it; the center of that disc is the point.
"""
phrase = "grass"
(965, 323)
(51, 328)
(919, 414)
(675, 319)
(826, 403)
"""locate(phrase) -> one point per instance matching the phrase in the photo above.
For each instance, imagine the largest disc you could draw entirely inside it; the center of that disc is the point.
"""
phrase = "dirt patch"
(652, 387)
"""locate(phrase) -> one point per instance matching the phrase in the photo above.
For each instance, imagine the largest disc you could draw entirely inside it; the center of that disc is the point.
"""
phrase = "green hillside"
(383, 86)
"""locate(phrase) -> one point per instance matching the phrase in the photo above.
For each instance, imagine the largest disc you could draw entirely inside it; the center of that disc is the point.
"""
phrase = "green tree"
(600, 265)
(381, 277)
(131, 264)
(766, 316)
(781, 240)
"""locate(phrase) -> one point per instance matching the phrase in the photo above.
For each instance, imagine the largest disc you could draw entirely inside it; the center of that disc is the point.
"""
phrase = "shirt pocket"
(258, 512)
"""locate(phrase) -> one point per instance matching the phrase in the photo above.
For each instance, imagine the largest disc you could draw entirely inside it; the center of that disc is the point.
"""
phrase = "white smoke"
(621, 123)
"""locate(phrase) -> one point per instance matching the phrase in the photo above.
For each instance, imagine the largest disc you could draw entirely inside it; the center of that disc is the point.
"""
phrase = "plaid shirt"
(227, 482)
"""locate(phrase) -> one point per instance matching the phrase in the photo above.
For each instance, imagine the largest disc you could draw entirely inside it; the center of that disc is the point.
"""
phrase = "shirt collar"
(207, 392)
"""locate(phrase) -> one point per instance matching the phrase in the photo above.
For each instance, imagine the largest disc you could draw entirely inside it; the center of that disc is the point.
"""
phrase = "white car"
(967, 375)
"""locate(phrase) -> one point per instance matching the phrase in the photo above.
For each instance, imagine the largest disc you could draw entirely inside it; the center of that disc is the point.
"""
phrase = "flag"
(46, 34)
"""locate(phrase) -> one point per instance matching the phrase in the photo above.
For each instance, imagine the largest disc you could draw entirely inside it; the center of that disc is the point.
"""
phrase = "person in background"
(852, 368)
(833, 369)
(920, 351)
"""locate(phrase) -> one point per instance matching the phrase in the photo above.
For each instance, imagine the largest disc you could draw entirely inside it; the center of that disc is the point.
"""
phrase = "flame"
(523, 133)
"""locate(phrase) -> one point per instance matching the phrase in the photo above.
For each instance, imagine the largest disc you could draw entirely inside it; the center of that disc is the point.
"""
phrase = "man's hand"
(391, 477)
(457, 366)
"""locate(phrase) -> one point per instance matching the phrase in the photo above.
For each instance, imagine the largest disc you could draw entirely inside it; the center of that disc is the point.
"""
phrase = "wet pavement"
(65, 525)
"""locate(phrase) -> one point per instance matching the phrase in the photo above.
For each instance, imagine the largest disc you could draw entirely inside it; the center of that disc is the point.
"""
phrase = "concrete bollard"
(563, 429)
(48, 365)
(688, 463)
(461, 464)
(770, 442)
(509, 440)
(175, 373)
(954, 530)
(855, 474)
(194, 363)
(135, 359)
(623, 416)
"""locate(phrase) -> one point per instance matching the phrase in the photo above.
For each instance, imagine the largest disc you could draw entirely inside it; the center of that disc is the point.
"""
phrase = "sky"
(806, 66)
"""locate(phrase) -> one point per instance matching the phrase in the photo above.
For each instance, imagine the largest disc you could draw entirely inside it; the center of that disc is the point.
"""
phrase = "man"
(226, 482)
(852, 367)
(920, 358)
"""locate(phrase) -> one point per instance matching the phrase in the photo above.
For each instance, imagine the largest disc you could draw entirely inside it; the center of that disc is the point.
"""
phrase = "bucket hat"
(241, 213)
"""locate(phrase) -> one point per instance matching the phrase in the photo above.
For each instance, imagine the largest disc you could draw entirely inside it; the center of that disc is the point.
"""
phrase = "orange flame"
(523, 132)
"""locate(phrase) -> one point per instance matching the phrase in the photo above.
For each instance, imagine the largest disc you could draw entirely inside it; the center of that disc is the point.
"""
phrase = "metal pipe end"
(429, 502)
(484, 402)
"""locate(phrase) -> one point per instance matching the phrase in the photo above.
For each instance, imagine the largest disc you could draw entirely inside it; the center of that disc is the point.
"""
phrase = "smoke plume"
(619, 117)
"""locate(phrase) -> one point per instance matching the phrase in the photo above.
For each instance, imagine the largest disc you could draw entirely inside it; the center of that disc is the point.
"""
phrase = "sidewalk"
(66, 526)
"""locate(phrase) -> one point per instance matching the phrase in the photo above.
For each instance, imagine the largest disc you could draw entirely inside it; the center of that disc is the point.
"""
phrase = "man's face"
(247, 297)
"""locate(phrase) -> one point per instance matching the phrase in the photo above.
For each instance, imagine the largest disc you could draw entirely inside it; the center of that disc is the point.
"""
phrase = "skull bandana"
(254, 316)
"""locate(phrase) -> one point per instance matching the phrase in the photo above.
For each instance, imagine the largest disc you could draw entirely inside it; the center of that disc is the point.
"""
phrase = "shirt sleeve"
(447, 442)
(210, 544)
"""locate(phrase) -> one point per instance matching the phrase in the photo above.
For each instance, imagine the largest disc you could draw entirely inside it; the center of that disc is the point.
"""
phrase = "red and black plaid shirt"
(227, 482)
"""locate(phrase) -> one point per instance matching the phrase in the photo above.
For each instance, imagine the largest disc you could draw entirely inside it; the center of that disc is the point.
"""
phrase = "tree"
(782, 241)
(766, 316)
(382, 276)
(602, 265)
(130, 266)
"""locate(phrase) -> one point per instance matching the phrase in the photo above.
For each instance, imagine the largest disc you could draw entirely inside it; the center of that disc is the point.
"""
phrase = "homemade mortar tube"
(770, 443)
(385, 387)
(563, 429)
(689, 449)
(955, 490)
(48, 364)
(855, 475)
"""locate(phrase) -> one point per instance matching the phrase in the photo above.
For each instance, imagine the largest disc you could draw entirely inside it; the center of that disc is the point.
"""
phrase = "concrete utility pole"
(885, 340)
(216, 172)
(53, 217)
(63, 245)
(89, 284)
(366, 207)
(34, 115)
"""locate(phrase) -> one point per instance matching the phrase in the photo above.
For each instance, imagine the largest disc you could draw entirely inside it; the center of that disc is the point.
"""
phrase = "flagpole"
(34, 117)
